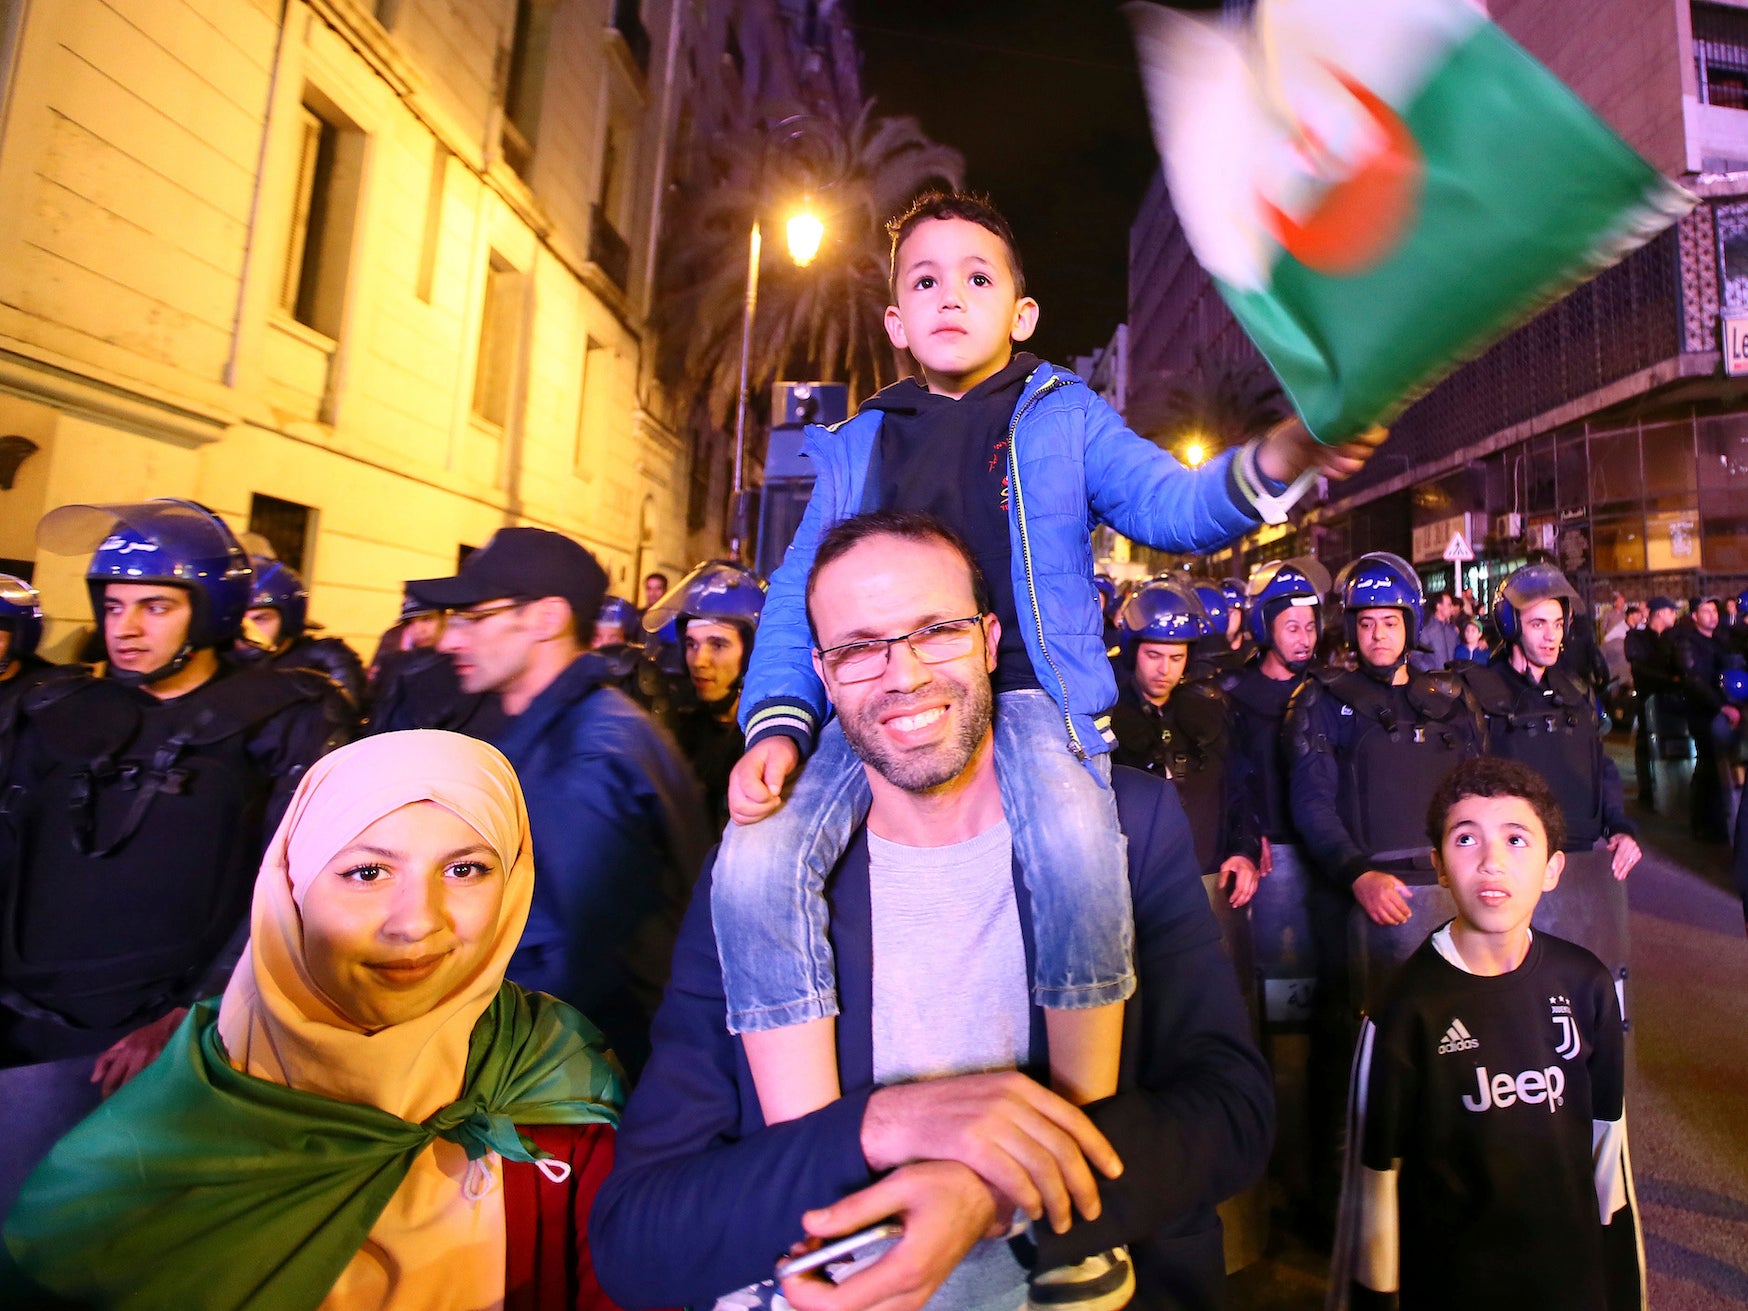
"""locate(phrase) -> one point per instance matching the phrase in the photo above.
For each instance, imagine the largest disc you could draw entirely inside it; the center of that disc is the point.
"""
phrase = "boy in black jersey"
(1492, 1167)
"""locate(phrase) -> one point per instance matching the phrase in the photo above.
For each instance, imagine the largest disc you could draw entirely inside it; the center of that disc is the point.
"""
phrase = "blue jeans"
(42, 1103)
(768, 885)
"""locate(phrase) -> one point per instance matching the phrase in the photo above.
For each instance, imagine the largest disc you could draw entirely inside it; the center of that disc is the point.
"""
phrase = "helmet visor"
(714, 590)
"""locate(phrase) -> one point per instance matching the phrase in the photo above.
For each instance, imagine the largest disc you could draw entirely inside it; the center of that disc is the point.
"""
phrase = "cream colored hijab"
(440, 1244)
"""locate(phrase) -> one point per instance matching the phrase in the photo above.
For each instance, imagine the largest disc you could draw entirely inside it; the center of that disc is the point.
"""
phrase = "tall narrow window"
(525, 81)
(612, 171)
(433, 235)
(591, 412)
(318, 251)
(309, 216)
(608, 247)
(499, 330)
(286, 525)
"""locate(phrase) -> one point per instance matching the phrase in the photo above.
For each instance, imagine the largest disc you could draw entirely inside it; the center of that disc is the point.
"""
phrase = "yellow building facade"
(372, 279)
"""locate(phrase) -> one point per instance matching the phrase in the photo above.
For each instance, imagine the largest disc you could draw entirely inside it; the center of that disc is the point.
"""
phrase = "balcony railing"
(609, 251)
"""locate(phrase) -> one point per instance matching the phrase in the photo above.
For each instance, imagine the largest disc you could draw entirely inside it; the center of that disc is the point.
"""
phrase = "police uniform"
(1366, 758)
(711, 746)
(1656, 674)
(1551, 725)
(133, 831)
(1258, 712)
(328, 656)
(419, 689)
(132, 826)
(278, 587)
(717, 591)
(1187, 740)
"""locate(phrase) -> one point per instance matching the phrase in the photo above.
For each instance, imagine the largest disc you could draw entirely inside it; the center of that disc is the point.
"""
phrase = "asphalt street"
(1687, 1113)
(1687, 1119)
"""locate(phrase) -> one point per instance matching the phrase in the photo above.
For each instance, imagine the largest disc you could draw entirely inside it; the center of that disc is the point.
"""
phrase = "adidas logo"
(1457, 1039)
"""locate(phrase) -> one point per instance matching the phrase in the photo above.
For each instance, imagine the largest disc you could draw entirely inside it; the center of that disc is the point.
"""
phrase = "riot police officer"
(617, 624)
(1176, 727)
(715, 613)
(20, 632)
(1539, 714)
(1368, 747)
(418, 688)
(1108, 607)
(1238, 635)
(617, 629)
(277, 626)
(134, 810)
(1285, 620)
(1214, 653)
(20, 667)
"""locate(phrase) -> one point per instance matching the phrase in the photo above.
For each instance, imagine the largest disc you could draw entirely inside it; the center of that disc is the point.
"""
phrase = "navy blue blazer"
(704, 1197)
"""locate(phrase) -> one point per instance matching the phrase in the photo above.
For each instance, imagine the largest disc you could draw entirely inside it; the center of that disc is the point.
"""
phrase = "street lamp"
(804, 231)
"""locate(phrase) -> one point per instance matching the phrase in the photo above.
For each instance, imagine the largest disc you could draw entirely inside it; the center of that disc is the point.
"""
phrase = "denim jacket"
(1072, 464)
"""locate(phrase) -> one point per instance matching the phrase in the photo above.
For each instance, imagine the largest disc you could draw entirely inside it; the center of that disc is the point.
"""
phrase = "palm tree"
(1220, 400)
(822, 321)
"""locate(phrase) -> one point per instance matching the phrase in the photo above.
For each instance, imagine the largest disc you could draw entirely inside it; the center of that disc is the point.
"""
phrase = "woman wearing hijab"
(371, 1119)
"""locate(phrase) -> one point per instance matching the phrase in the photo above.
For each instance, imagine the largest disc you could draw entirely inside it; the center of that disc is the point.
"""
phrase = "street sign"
(1459, 551)
(1735, 346)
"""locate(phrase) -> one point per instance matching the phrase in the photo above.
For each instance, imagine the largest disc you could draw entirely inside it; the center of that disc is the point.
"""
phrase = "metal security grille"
(1624, 320)
(1720, 54)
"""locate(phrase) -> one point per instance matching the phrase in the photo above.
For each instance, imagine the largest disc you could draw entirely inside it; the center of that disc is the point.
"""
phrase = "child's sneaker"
(1104, 1282)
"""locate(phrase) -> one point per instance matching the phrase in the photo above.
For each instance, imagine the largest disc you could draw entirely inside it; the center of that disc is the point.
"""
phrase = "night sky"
(1042, 98)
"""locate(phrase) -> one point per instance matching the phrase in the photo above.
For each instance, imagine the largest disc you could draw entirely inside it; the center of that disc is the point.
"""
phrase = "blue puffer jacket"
(1073, 465)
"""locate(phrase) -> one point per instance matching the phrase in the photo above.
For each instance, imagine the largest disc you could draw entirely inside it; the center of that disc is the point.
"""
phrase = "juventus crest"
(1560, 1012)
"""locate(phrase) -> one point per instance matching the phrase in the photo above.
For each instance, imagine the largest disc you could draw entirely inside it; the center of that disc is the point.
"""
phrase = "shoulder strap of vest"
(55, 687)
(249, 696)
(230, 706)
(1201, 712)
(1368, 697)
(80, 716)
(1435, 694)
(1489, 688)
(1566, 689)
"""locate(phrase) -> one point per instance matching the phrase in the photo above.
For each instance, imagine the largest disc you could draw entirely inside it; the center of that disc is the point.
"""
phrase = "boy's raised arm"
(782, 695)
(1143, 492)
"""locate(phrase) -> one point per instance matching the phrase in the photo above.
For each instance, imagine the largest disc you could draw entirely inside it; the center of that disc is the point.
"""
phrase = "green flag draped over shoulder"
(200, 1186)
(1382, 188)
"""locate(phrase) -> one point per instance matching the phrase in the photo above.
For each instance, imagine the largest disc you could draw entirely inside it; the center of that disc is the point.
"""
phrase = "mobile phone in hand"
(851, 1249)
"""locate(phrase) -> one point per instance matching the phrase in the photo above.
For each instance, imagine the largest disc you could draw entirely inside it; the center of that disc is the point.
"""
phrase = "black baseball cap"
(526, 563)
(1659, 603)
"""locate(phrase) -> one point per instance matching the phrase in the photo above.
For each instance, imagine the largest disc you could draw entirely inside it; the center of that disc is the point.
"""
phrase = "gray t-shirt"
(951, 996)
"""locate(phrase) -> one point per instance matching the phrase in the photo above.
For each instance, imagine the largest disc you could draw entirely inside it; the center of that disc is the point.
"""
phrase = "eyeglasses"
(468, 618)
(935, 644)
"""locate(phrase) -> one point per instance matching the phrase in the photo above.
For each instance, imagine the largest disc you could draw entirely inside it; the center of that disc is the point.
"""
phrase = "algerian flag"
(1382, 188)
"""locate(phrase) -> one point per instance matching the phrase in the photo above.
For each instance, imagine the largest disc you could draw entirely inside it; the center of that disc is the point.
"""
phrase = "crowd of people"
(581, 953)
